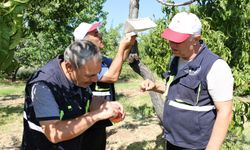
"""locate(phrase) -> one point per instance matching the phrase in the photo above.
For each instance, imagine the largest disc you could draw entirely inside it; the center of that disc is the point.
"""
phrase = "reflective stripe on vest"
(87, 106)
(31, 124)
(98, 93)
(97, 88)
(171, 78)
(192, 108)
(198, 94)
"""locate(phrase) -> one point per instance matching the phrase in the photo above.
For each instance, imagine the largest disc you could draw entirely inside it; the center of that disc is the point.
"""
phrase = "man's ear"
(69, 67)
(86, 37)
(197, 38)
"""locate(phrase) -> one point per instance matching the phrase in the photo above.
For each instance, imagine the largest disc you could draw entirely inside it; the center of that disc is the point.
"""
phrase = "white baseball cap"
(81, 31)
(181, 27)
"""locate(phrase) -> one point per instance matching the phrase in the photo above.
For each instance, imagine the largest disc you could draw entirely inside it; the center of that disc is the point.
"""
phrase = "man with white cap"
(110, 71)
(199, 89)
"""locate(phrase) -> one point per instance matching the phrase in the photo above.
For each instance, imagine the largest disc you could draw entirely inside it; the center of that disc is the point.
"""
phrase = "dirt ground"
(129, 134)
(133, 134)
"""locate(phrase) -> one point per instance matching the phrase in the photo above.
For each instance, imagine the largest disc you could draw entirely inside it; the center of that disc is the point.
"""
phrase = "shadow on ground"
(8, 111)
(10, 97)
(159, 144)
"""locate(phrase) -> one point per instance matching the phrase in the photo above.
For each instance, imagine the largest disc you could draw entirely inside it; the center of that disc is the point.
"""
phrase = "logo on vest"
(194, 71)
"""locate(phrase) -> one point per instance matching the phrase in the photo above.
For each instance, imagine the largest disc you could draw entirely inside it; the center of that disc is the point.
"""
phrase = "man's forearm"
(114, 70)
(58, 131)
(220, 128)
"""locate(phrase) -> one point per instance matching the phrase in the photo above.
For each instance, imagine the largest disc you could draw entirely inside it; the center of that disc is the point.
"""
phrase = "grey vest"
(189, 112)
(71, 105)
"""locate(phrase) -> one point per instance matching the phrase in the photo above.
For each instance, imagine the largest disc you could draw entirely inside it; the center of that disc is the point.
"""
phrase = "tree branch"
(164, 2)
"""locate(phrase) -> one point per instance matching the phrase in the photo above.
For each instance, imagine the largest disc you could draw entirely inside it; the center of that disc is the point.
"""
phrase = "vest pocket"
(190, 82)
(188, 90)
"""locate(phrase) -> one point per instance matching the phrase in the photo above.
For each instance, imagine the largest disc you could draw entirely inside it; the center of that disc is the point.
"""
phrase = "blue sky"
(119, 10)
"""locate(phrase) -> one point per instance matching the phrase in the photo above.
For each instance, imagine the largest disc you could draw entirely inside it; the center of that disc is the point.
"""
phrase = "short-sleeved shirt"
(44, 103)
(106, 62)
(219, 80)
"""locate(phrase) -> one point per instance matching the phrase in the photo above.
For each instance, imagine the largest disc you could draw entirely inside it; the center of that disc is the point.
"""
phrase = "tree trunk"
(13, 78)
(133, 9)
(140, 68)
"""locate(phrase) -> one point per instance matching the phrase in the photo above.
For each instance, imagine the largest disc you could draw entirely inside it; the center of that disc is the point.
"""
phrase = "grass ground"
(139, 131)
